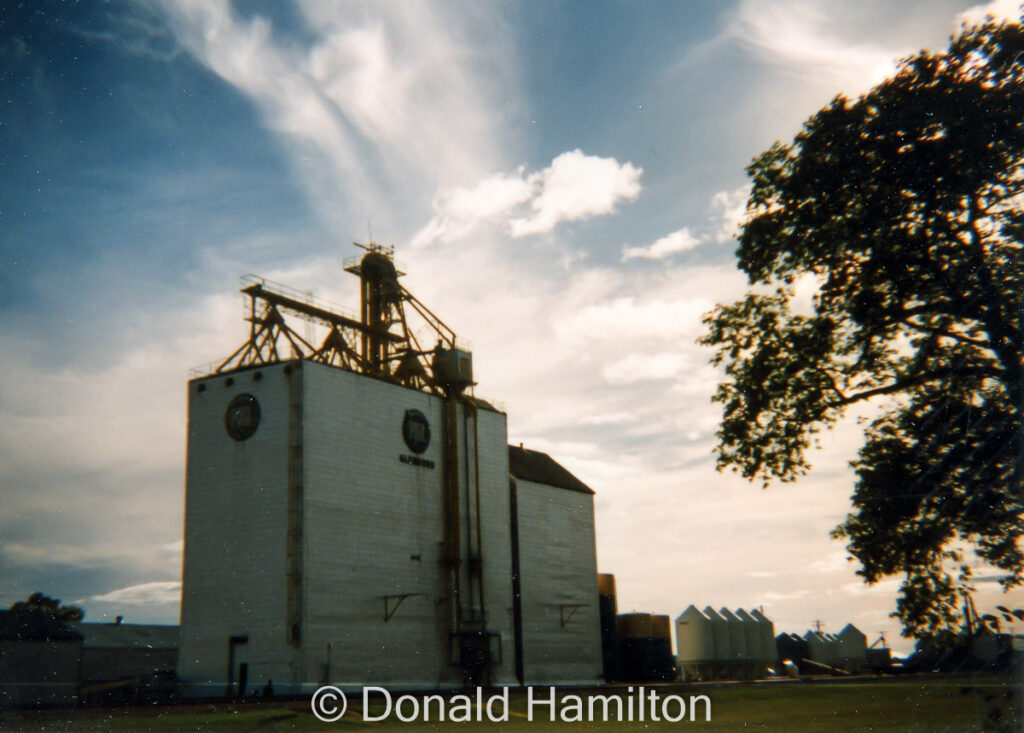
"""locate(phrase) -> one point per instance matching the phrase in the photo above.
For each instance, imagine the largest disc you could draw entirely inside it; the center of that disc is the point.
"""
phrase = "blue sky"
(560, 179)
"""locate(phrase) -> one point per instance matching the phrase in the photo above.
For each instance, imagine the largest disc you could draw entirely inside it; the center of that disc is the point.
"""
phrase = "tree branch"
(912, 381)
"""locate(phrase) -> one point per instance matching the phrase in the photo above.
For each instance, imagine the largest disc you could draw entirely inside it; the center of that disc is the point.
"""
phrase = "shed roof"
(540, 468)
(34, 625)
(128, 636)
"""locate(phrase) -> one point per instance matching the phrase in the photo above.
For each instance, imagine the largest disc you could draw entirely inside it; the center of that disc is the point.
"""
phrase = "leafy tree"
(903, 208)
(52, 606)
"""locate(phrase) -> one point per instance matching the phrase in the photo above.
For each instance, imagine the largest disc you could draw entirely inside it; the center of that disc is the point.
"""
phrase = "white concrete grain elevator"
(352, 516)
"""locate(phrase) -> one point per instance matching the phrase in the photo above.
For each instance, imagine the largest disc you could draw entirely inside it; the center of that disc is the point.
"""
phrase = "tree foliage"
(904, 209)
(51, 606)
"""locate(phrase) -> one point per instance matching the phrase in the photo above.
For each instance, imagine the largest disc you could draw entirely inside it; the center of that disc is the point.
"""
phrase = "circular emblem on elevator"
(416, 431)
(242, 416)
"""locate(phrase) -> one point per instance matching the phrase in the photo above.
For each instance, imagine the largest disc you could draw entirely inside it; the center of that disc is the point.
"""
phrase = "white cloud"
(998, 9)
(835, 562)
(175, 548)
(886, 588)
(678, 241)
(159, 591)
(644, 367)
(574, 187)
(578, 186)
(798, 36)
(376, 106)
(775, 596)
(458, 210)
(629, 317)
(612, 418)
(729, 208)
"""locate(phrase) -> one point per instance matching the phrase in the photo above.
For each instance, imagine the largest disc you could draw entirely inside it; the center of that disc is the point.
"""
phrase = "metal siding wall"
(235, 536)
(559, 568)
(365, 519)
(497, 540)
(367, 515)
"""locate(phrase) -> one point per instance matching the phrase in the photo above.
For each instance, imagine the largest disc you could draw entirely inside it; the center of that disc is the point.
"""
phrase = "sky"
(562, 182)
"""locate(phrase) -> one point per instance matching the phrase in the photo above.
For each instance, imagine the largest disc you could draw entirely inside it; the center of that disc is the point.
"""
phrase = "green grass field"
(902, 704)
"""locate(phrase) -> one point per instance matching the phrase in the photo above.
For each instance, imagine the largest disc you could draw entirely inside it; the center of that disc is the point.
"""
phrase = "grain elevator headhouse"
(348, 516)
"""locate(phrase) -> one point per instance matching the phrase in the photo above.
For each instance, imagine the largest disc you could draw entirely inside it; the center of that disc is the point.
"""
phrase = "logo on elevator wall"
(242, 416)
(416, 431)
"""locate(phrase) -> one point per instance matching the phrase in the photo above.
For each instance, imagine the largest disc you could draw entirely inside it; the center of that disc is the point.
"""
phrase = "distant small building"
(791, 647)
(116, 651)
(852, 648)
(822, 648)
(39, 659)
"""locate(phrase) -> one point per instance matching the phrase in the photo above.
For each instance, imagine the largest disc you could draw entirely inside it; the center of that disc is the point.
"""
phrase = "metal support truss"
(380, 342)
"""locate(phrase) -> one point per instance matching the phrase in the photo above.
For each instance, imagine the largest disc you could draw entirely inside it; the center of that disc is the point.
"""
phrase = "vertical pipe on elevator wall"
(451, 484)
(517, 600)
(479, 530)
(479, 511)
(470, 559)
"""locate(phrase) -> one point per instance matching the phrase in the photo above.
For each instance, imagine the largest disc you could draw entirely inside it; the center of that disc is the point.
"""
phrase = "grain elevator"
(354, 515)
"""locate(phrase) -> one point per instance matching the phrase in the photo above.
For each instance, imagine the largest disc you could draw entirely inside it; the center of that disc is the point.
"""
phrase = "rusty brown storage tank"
(645, 648)
(609, 608)
(664, 659)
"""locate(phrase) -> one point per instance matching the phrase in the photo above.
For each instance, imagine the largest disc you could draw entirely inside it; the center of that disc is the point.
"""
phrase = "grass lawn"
(901, 704)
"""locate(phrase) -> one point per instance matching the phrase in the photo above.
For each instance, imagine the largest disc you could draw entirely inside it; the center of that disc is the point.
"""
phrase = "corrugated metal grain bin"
(695, 644)
(720, 627)
(695, 641)
(752, 635)
(822, 648)
(737, 636)
(766, 630)
(853, 646)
